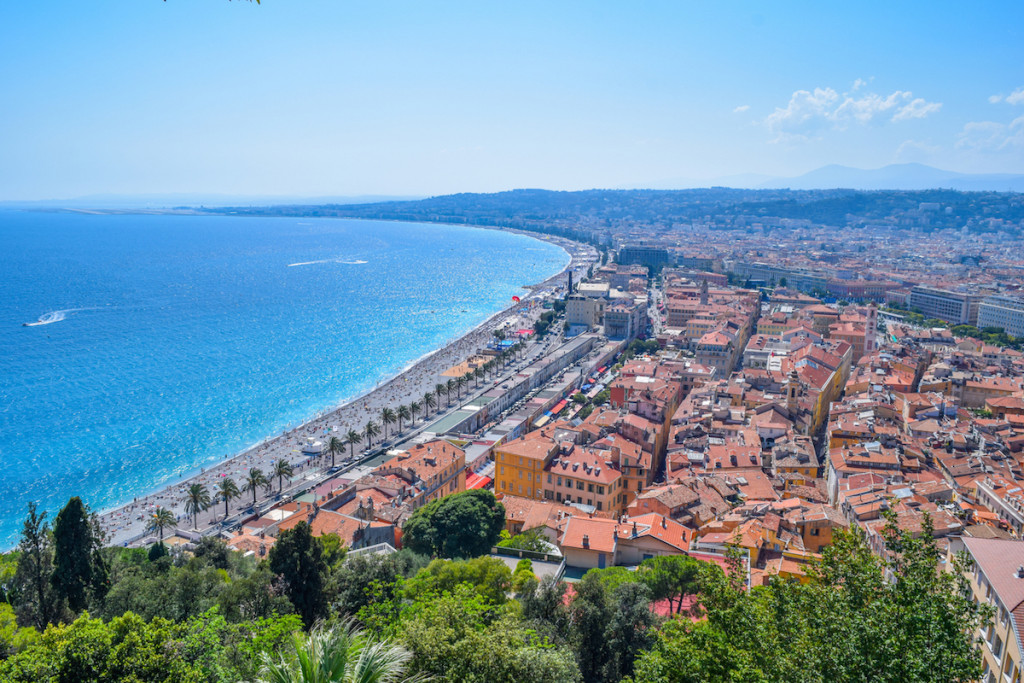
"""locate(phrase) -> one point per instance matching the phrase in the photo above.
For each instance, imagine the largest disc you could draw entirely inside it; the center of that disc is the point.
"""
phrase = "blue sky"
(309, 98)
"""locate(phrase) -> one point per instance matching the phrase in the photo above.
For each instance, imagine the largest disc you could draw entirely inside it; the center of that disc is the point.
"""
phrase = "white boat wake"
(57, 316)
(327, 260)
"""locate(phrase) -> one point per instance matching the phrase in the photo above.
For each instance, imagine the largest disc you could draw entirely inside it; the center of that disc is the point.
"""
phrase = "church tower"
(871, 329)
(704, 292)
(792, 391)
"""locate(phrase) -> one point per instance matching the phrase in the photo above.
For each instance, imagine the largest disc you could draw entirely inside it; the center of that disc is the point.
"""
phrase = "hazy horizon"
(323, 99)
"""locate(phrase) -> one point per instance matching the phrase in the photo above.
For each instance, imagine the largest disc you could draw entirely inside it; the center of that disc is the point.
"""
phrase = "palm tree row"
(407, 414)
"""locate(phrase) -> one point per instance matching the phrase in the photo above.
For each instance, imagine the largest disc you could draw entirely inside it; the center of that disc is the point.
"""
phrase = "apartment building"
(995, 573)
(1002, 311)
(957, 308)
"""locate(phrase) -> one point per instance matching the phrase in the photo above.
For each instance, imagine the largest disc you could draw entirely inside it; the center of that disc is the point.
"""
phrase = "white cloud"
(805, 111)
(740, 109)
(858, 84)
(918, 108)
(1016, 97)
(992, 136)
(808, 111)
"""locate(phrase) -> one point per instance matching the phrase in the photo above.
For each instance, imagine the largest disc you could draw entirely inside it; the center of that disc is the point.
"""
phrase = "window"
(590, 501)
(600, 489)
(549, 478)
(503, 469)
(590, 488)
(520, 474)
(579, 485)
(559, 481)
(598, 505)
(815, 531)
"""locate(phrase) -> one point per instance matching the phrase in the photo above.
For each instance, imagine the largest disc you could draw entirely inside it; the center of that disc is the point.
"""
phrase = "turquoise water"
(172, 341)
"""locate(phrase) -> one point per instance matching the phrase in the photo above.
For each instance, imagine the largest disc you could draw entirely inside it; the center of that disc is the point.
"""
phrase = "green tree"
(340, 654)
(39, 603)
(387, 417)
(197, 500)
(255, 480)
(631, 630)
(489, 576)
(465, 524)
(430, 400)
(282, 469)
(533, 540)
(336, 446)
(227, 490)
(523, 575)
(12, 637)
(350, 584)
(414, 408)
(91, 651)
(370, 430)
(589, 616)
(450, 386)
(460, 636)
(161, 520)
(403, 413)
(352, 439)
(297, 558)
(861, 618)
(670, 577)
(78, 568)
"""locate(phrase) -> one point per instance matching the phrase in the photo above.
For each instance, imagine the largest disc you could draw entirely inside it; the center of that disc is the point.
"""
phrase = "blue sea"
(170, 342)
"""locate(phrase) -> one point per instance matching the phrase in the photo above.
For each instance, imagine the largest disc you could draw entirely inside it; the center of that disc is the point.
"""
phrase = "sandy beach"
(127, 524)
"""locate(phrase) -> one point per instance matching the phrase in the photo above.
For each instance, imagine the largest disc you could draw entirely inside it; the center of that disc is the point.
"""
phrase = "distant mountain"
(897, 177)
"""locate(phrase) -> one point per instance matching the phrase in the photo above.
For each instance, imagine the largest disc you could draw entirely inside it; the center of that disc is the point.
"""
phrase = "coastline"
(125, 524)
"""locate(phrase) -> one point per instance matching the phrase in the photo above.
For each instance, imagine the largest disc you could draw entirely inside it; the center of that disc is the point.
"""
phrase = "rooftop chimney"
(586, 541)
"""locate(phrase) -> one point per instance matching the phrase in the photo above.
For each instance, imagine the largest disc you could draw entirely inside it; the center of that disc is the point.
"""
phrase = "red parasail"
(516, 299)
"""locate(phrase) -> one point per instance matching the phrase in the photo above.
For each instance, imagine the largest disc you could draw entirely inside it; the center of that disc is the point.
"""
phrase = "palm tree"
(371, 430)
(196, 500)
(402, 414)
(387, 417)
(226, 490)
(459, 383)
(429, 401)
(341, 654)
(452, 384)
(282, 469)
(414, 407)
(254, 480)
(335, 445)
(352, 437)
(162, 519)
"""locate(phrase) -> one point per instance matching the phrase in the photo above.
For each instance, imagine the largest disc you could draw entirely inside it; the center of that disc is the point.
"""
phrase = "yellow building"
(519, 464)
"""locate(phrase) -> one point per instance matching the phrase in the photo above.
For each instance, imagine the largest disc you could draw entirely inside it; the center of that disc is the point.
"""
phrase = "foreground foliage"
(851, 623)
(213, 615)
